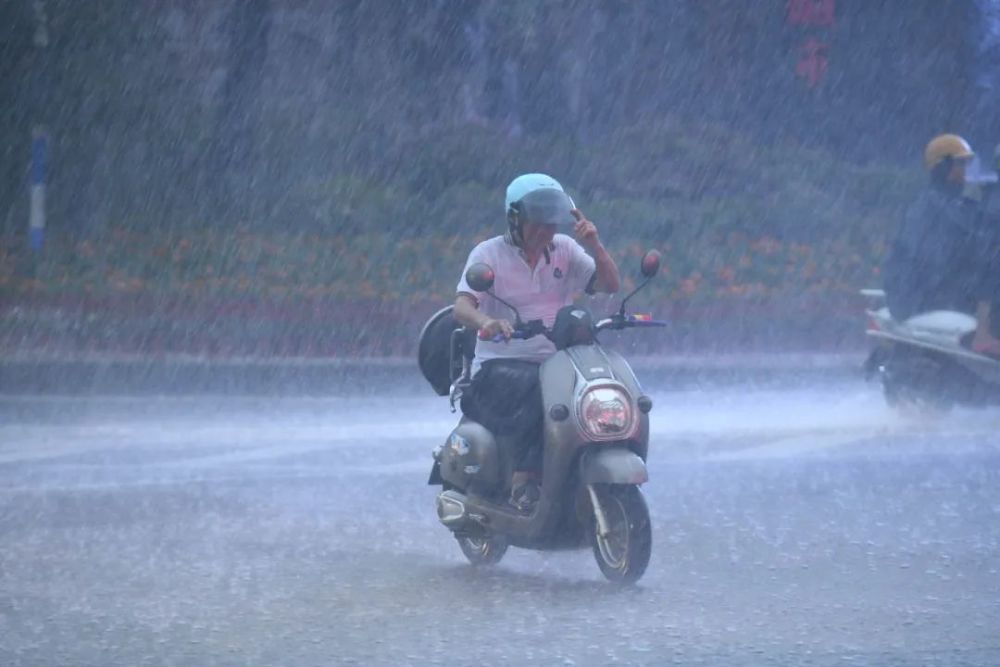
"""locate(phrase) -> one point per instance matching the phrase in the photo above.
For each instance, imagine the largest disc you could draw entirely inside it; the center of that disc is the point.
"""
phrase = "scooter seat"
(947, 322)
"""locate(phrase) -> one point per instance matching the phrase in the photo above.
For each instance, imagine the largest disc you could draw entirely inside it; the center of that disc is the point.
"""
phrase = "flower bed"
(211, 264)
(244, 293)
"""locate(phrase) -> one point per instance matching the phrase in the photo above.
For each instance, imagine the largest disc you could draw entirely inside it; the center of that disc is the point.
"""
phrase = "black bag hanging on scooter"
(434, 350)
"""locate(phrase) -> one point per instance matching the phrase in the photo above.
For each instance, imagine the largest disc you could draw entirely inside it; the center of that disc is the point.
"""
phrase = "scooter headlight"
(606, 413)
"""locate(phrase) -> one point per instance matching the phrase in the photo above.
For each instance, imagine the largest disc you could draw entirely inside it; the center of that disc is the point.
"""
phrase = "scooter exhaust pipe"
(451, 508)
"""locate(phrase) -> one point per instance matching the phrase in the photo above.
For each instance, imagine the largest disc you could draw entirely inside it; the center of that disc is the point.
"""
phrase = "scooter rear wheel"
(482, 550)
(624, 552)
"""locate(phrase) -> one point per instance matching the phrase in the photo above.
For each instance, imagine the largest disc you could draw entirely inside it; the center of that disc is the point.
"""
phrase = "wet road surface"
(791, 527)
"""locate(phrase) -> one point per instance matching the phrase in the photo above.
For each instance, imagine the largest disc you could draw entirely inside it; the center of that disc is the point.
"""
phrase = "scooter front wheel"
(623, 552)
(483, 550)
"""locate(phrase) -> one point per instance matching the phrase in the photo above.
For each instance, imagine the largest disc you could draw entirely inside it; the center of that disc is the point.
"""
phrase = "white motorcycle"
(924, 363)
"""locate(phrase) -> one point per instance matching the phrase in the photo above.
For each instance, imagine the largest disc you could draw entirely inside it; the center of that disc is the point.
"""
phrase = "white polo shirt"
(537, 294)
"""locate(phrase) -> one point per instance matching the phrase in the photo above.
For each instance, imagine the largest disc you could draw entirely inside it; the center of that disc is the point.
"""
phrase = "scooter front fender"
(612, 465)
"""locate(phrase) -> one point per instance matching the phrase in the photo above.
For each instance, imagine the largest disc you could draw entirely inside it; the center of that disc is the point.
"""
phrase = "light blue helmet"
(526, 183)
(538, 198)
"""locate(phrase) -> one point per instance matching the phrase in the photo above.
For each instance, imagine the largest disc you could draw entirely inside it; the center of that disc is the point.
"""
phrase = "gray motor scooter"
(596, 437)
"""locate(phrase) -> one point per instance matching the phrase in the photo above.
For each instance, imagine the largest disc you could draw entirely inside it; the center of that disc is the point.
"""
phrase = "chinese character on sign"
(810, 12)
(813, 62)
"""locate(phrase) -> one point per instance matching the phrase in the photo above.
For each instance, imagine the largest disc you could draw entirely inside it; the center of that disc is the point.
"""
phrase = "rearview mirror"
(650, 263)
(480, 277)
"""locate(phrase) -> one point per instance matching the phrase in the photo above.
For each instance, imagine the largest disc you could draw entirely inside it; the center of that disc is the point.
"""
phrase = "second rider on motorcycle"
(538, 272)
(941, 257)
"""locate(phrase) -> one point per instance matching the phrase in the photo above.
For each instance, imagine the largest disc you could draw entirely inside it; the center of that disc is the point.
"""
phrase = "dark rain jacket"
(987, 242)
(930, 262)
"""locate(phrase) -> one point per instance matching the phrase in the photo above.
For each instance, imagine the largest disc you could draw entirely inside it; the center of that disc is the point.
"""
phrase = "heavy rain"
(262, 403)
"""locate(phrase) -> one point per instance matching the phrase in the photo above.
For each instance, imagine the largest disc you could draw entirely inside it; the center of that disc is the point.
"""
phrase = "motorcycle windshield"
(547, 207)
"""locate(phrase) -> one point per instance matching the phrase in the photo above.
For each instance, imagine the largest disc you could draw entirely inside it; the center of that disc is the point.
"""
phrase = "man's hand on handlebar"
(492, 327)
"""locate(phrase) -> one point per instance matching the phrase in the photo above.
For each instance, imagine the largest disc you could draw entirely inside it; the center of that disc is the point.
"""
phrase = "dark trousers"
(506, 397)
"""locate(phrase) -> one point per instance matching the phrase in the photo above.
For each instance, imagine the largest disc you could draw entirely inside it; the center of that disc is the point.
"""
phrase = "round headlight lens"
(606, 413)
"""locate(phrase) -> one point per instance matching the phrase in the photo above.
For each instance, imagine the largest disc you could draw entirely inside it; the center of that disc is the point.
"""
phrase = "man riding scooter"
(931, 352)
(936, 261)
(538, 272)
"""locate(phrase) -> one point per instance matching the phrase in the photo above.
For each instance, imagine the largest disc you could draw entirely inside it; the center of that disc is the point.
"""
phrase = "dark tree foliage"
(17, 59)
(399, 114)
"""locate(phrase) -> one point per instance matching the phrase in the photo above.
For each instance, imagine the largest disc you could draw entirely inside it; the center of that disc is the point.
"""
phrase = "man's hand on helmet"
(586, 231)
(491, 327)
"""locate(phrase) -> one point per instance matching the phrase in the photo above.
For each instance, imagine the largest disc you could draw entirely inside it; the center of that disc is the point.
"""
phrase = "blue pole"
(36, 220)
(39, 139)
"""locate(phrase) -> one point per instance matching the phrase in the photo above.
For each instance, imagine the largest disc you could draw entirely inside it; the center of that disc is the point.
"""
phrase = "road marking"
(791, 447)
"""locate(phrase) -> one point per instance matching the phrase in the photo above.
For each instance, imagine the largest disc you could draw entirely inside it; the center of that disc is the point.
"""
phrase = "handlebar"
(519, 334)
(616, 322)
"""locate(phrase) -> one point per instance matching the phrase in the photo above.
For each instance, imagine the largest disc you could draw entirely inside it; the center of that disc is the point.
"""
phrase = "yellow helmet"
(946, 146)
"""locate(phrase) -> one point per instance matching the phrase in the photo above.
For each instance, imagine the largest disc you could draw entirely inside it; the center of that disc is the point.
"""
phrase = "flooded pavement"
(806, 525)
